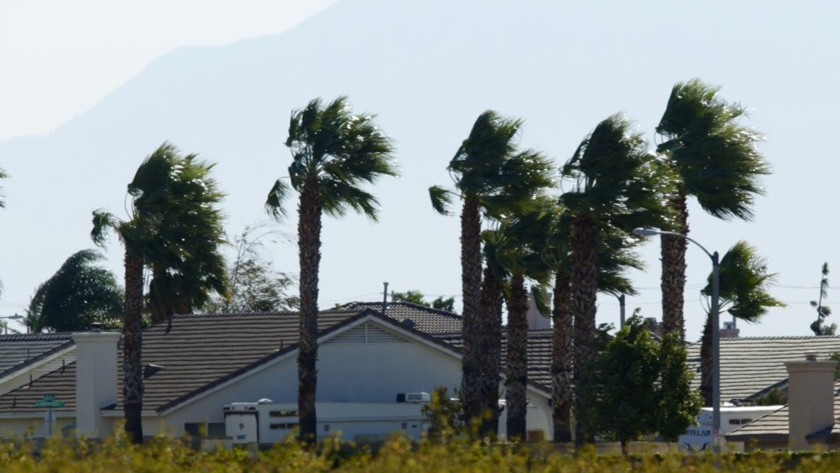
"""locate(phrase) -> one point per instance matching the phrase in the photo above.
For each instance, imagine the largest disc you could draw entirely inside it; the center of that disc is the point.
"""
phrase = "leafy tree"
(333, 153)
(743, 294)
(443, 303)
(614, 180)
(823, 311)
(711, 157)
(76, 297)
(642, 387)
(255, 285)
(173, 204)
(411, 296)
(492, 178)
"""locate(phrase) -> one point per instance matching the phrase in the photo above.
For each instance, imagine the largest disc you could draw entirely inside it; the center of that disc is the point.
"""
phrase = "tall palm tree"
(493, 178)
(77, 296)
(515, 250)
(172, 196)
(713, 158)
(614, 185)
(333, 153)
(614, 256)
(743, 294)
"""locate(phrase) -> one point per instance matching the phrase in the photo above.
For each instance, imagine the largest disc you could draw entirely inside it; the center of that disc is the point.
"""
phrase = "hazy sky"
(58, 59)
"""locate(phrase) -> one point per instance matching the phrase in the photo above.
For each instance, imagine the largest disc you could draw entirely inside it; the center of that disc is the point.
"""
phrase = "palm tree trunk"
(561, 363)
(516, 378)
(584, 296)
(491, 351)
(133, 346)
(706, 363)
(471, 290)
(673, 271)
(309, 247)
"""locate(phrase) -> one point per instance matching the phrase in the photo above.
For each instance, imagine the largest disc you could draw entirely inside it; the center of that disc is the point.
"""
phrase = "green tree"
(443, 303)
(743, 294)
(492, 178)
(823, 311)
(76, 297)
(614, 189)
(411, 296)
(711, 157)
(641, 387)
(254, 284)
(333, 153)
(173, 203)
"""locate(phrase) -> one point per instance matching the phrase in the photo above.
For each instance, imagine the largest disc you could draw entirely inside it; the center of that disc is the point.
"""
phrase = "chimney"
(810, 397)
(96, 380)
(536, 321)
(729, 330)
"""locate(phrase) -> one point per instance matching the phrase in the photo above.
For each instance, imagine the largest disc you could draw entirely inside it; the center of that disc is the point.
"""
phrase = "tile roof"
(774, 424)
(195, 353)
(749, 365)
(201, 351)
(22, 350)
(425, 319)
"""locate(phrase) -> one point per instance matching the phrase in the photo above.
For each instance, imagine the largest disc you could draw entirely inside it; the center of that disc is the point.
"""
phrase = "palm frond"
(743, 283)
(715, 156)
(441, 200)
(276, 197)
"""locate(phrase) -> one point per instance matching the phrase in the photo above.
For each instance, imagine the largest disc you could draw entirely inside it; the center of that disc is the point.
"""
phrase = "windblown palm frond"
(715, 156)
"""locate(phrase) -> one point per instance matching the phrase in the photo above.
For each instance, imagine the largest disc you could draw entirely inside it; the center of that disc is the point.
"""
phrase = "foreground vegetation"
(395, 455)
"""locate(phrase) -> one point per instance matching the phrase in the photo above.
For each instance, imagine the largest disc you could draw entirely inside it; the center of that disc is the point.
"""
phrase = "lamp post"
(715, 316)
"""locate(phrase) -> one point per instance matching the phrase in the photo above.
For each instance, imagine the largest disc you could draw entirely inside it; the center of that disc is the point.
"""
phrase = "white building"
(202, 363)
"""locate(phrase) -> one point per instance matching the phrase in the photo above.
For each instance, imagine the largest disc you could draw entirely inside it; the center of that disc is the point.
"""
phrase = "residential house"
(199, 364)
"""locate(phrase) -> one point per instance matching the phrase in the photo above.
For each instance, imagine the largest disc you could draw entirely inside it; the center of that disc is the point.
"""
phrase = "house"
(752, 367)
(200, 364)
(809, 421)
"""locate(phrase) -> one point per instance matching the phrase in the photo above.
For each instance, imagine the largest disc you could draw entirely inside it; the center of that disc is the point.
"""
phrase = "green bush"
(164, 455)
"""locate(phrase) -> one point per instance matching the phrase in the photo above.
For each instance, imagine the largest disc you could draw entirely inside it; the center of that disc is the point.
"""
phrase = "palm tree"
(614, 185)
(713, 158)
(614, 256)
(743, 294)
(174, 202)
(77, 296)
(492, 178)
(515, 251)
(333, 152)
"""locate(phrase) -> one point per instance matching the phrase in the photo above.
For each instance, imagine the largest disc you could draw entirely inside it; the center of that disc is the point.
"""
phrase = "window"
(283, 413)
(283, 425)
(212, 430)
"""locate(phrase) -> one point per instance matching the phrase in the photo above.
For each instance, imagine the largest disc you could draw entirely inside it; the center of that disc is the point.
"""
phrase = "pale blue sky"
(59, 59)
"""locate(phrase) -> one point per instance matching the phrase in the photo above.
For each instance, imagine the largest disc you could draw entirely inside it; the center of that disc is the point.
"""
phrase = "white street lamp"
(715, 316)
